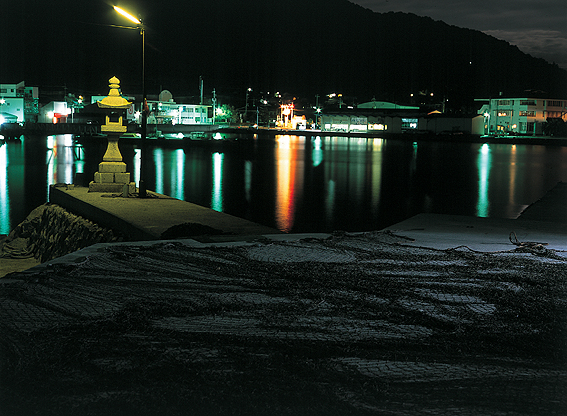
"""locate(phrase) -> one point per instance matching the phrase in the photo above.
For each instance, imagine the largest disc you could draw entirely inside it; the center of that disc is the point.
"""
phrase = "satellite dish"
(165, 96)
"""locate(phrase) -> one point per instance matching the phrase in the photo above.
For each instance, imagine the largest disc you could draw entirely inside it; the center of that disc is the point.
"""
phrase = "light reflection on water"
(61, 158)
(513, 174)
(158, 160)
(303, 183)
(289, 174)
(4, 190)
(483, 205)
(216, 194)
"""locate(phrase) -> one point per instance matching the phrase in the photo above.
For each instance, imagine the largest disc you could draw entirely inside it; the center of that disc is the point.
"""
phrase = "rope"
(533, 247)
(530, 244)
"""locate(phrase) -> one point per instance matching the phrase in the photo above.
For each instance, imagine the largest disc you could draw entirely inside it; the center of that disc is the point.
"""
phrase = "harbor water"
(298, 183)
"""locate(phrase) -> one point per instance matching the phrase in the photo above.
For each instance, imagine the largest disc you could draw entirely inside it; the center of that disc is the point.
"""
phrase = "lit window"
(554, 104)
(409, 123)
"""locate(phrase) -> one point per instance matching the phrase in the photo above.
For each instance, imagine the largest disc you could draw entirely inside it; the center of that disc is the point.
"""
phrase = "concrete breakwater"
(75, 218)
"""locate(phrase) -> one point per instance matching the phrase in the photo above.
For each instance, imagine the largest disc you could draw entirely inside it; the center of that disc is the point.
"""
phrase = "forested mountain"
(322, 46)
(300, 47)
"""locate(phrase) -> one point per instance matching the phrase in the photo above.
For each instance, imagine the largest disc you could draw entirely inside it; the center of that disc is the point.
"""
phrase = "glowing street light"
(127, 15)
(142, 186)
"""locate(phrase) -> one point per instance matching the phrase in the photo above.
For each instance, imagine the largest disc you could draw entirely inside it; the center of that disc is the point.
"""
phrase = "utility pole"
(246, 106)
(214, 104)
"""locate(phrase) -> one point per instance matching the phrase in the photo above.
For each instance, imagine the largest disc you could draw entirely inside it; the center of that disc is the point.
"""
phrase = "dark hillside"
(321, 46)
(301, 47)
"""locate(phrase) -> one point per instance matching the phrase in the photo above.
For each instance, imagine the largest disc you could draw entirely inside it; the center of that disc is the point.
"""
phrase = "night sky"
(71, 45)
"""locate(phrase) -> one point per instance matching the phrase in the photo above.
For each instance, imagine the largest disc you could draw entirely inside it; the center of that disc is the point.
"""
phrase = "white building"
(167, 111)
(18, 103)
(173, 113)
(520, 115)
(371, 117)
(54, 112)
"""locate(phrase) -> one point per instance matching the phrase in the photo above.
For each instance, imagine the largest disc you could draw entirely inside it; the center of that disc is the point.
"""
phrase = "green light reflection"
(317, 152)
(248, 166)
(484, 164)
(216, 194)
(136, 162)
(158, 158)
(179, 173)
(4, 191)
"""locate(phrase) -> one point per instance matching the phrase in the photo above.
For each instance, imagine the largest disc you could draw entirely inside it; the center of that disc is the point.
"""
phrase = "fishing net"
(353, 324)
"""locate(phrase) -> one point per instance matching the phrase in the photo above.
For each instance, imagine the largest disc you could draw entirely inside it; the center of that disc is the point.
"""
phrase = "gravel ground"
(355, 324)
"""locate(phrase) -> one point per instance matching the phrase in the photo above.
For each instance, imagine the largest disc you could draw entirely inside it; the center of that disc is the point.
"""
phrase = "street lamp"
(139, 25)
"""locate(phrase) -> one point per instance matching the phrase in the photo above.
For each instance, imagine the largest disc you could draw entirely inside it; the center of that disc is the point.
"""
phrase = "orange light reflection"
(288, 180)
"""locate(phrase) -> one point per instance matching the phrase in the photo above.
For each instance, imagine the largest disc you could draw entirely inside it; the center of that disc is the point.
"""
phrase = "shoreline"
(203, 134)
(270, 134)
(418, 136)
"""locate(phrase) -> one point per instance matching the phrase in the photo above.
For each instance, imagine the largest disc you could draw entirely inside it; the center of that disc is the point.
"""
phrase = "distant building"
(18, 103)
(371, 117)
(439, 123)
(166, 111)
(288, 120)
(54, 112)
(520, 115)
(380, 116)
(173, 113)
(384, 105)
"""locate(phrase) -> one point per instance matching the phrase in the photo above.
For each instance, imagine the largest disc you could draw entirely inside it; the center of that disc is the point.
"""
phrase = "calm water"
(303, 184)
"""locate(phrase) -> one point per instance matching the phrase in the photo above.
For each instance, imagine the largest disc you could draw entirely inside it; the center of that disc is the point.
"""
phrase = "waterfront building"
(288, 120)
(54, 112)
(520, 115)
(18, 103)
(451, 124)
(371, 117)
(166, 111)
(173, 113)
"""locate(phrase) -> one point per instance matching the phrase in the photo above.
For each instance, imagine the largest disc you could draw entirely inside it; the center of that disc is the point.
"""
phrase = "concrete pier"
(141, 219)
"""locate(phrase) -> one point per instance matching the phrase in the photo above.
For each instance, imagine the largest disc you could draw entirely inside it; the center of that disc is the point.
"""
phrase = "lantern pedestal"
(112, 175)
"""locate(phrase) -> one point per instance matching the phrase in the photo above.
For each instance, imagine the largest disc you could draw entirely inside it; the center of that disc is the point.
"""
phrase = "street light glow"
(142, 186)
(127, 15)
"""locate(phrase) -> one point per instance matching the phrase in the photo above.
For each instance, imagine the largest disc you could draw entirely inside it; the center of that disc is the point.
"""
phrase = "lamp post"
(139, 25)
(487, 123)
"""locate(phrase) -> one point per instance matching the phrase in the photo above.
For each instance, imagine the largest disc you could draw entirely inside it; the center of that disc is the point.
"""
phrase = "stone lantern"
(112, 175)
